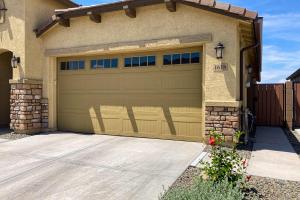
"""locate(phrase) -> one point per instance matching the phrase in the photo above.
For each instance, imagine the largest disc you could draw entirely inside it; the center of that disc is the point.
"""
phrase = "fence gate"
(296, 106)
(270, 104)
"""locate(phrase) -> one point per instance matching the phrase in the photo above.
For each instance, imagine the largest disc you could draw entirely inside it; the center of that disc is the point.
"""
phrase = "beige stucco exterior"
(154, 28)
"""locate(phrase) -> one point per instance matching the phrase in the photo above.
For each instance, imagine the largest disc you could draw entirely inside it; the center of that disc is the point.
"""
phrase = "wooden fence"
(270, 104)
(276, 104)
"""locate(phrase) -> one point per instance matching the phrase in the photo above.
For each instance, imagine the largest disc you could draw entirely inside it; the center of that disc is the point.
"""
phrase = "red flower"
(245, 163)
(248, 177)
(212, 141)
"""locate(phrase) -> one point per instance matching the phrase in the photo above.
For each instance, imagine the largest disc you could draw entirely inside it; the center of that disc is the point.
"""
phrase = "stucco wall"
(155, 22)
(37, 13)
(12, 33)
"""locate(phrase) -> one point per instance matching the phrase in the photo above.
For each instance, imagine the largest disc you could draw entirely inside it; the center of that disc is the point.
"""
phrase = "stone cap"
(26, 81)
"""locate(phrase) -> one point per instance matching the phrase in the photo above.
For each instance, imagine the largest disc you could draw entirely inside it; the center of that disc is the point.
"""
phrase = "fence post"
(289, 97)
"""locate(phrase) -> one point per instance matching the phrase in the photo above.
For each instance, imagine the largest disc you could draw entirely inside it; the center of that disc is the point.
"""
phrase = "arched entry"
(5, 76)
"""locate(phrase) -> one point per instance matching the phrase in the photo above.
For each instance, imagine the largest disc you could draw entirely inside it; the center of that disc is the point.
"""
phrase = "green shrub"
(206, 190)
(225, 163)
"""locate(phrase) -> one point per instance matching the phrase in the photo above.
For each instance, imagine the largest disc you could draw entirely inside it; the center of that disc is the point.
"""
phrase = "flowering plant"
(225, 164)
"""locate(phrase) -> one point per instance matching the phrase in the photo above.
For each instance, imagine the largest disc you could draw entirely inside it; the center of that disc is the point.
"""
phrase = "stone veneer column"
(26, 113)
(225, 120)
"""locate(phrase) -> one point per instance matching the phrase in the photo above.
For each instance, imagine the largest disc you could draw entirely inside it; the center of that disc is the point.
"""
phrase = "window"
(104, 63)
(135, 61)
(151, 60)
(183, 58)
(167, 59)
(195, 57)
(176, 59)
(72, 65)
(114, 63)
(128, 62)
(142, 61)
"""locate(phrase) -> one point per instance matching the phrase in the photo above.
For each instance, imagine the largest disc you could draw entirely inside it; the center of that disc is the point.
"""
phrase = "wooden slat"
(270, 105)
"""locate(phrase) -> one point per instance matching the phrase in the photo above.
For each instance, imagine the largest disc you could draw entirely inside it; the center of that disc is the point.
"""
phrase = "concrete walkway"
(72, 166)
(273, 156)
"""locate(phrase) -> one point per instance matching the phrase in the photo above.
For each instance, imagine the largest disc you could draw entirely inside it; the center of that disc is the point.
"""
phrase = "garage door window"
(183, 58)
(141, 61)
(104, 63)
(72, 65)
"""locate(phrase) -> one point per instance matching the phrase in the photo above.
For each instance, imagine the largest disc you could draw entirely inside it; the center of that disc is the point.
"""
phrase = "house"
(294, 77)
(169, 69)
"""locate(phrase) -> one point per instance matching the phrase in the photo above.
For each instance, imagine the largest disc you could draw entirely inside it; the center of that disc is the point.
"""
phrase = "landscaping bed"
(259, 187)
(189, 185)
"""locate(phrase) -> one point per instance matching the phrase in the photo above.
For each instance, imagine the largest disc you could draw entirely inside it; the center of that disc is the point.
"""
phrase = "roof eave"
(213, 6)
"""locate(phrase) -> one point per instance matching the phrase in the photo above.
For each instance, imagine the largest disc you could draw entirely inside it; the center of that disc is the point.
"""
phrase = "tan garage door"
(153, 94)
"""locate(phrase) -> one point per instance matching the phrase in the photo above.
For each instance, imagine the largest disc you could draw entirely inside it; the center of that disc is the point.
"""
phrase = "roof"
(209, 5)
(294, 75)
(69, 3)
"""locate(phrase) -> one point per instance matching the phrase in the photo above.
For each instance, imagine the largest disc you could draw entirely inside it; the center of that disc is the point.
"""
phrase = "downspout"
(243, 50)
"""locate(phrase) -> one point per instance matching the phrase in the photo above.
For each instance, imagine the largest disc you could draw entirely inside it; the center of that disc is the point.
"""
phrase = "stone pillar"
(26, 108)
(289, 104)
(224, 120)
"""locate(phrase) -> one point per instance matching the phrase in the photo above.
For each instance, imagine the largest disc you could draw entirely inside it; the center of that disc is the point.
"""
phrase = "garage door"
(150, 94)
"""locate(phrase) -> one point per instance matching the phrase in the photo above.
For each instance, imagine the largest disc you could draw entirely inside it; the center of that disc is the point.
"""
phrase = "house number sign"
(221, 67)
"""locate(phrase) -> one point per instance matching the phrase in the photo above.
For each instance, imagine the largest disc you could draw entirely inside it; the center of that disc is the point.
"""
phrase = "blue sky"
(281, 53)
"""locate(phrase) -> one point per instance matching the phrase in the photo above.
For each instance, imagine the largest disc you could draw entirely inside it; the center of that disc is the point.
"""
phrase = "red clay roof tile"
(210, 3)
(237, 10)
(222, 6)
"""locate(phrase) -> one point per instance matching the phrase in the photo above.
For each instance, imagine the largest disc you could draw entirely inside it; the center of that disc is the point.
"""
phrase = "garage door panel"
(149, 81)
(182, 80)
(159, 102)
(75, 122)
(95, 82)
(179, 128)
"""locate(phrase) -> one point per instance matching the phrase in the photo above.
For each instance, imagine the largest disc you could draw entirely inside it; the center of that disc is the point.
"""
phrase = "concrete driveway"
(72, 166)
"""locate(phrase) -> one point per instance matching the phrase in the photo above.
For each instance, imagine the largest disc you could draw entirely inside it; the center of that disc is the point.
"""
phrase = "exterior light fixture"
(15, 61)
(250, 69)
(3, 10)
(219, 50)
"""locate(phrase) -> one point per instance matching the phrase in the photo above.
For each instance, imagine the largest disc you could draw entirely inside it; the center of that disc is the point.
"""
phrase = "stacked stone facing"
(45, 114)
(26, 108)
(224, 120)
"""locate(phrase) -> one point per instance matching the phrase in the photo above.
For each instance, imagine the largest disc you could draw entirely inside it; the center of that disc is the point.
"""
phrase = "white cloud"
(282, 21)
(282, 26)
(279, 64)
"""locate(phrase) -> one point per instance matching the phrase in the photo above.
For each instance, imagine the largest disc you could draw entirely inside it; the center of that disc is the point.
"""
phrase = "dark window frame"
(148, 61)
(168, 59)
(104, 63)
(72, 65)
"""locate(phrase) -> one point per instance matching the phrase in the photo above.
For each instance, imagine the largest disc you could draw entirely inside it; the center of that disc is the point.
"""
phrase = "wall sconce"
(3, 10)
(219, 50)
(250, 69)
(15, 61)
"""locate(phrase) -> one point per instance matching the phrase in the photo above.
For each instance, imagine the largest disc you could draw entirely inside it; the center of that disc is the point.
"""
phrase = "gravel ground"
(259, 187)
(11, 136)
(271, 189)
